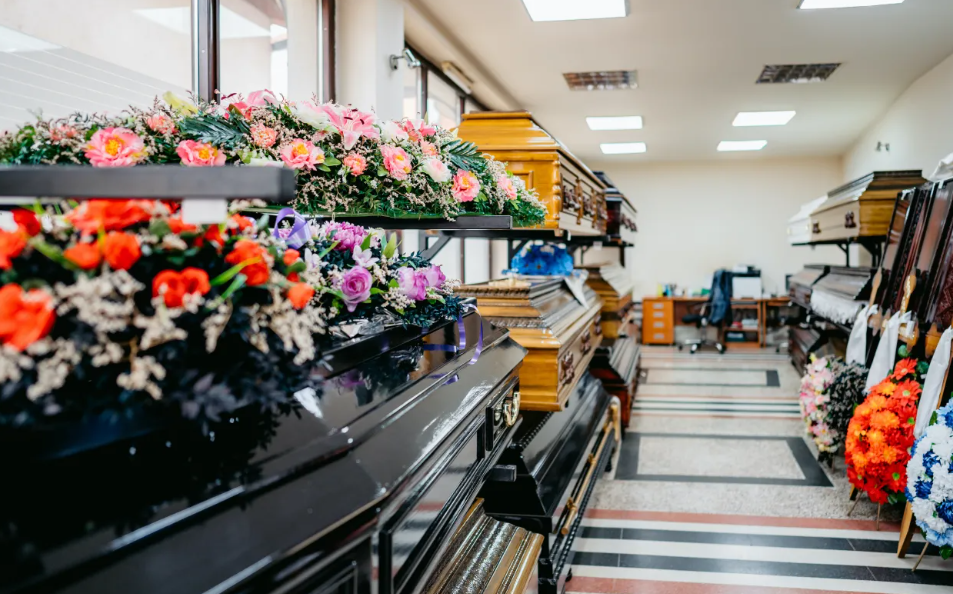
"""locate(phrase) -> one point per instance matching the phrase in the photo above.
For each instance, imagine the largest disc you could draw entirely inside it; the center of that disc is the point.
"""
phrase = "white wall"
(918, 127)
(694, 218)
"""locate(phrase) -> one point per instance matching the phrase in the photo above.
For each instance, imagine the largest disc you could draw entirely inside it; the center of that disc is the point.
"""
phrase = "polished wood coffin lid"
(564, 183)
(543, 316)
(861, 208)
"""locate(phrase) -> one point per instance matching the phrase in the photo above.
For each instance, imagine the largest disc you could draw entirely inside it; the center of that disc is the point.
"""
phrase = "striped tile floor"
(763, 536)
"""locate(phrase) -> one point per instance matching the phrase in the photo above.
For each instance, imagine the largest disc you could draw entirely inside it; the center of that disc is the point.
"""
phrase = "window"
(55, 59)
(443, 101)
(412, 92)
(267, 44)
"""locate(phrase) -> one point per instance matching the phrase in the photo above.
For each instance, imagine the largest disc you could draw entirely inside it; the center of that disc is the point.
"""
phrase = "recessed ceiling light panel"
(796, 73)
(622, 148)
(615, 123)
(606, 80)
(576, 10)
(763, 118)
(815, 4)
(741, 145)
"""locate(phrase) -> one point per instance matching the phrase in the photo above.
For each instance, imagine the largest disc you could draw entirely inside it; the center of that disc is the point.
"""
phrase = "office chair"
(700, 317)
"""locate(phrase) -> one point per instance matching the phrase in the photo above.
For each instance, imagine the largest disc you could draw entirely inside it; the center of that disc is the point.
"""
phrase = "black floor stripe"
(753, 540)
(774, 381)
(775, 568)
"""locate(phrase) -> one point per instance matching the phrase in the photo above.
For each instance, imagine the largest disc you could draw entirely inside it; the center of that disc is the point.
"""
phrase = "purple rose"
(412, 283)
(435, 277)
(356, 286)
(346, 234)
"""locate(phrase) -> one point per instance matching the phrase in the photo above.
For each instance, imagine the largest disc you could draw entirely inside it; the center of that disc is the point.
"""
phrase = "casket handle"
(850, 221)
(511, 408)
(587, 342)
(567, 369)
(816, 228)
(571, 504)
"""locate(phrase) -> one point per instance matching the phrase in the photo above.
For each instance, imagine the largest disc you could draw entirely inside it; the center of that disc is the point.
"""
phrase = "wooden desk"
(660, 316)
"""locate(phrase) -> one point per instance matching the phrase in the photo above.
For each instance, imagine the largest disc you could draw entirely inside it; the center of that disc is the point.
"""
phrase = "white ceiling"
(698, 61)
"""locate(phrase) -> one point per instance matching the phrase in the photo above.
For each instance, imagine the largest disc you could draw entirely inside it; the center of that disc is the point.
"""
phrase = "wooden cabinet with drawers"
(658, 321)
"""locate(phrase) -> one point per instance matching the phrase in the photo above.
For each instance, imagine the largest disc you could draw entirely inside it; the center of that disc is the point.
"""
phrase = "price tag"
(204, 211)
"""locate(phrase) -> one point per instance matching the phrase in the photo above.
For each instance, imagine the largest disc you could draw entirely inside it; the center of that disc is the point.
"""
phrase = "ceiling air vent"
(607, 80)
(796, 73)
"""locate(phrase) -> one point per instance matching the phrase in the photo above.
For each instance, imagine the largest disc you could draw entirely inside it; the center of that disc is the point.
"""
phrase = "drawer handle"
(511, 408)
(567, 370)
(659, 324)
(658, 314)
(659, 335)
(658, 305)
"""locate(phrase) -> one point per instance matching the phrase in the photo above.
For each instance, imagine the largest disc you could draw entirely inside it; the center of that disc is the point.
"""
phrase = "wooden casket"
(799, 226)
(574, 197)
(544, 317)
(862, 208)
(621, 217)
(801, 284)
(617, 359)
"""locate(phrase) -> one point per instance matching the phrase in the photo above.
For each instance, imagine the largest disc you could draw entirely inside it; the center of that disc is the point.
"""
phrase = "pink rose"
(198, 154)
(62, 132)
(437, 170)
(429, 149)
(466, 186)
(356, 287)
(263, 136)
(412, 283)
(160, 123)
(301, 154)
(506, 184)
(355, 163)
(434, 276)
(115, 147)
(396, 161)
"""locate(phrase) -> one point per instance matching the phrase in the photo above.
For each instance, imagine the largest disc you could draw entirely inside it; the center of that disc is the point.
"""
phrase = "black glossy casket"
(365, 481)
(559, 456)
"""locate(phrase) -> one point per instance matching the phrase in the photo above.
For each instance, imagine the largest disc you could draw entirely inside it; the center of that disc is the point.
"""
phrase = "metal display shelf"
(873, 245)
(518, 238)
(147, 181)
(463, 222)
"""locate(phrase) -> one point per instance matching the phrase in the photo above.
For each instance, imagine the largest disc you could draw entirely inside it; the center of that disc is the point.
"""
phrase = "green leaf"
(911, 421)
(159, 228)
(903, 351)
(232, 272)
(393, 283)
(933, 418)
(376, 291)
(381, 172)
(331, 161)
(298, 267)
(53, 253)
(481, 197)
(327, 251)
(215, 130)
(324, 168)
(237, 284)
(391, 248)
(946, 551)
(923, 367)
(367, 242)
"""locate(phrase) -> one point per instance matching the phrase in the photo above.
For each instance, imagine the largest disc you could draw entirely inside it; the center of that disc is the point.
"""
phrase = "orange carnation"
(121, 250)
(177, 226)
(290, 257)
(25, 317)
(11, 246)
(94, 216)
(84, 255)
(174, 286)
(256, 271)
(300, 295)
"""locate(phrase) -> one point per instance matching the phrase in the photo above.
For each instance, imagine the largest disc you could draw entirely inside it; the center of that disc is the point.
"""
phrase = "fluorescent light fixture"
(622, 148)
(615, 123)
(763, 118)
(576, 10)
(815, 4)
(741, 145)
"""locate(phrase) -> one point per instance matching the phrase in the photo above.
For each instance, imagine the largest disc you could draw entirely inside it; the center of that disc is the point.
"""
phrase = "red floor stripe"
(818, 523)
(622, 586)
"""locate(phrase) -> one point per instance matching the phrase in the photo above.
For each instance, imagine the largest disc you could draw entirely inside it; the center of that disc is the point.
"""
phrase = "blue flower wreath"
(930, 481)
(543, 260)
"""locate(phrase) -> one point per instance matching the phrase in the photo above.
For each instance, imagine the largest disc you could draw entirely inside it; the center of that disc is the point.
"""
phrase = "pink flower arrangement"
(437, 170)
(435, 276)
(506, 184)
(356, 287)
(351, 124)
(392, 132)
(115, 147)
(396, 161)
(347, 235)
(466, 186)
(301, 154)
(412, 283)
(199, 154)
(429, 149)
(160, 123)
(355, 163)
(62, 132)
(262, 98)
(263, 136)
(418, 129)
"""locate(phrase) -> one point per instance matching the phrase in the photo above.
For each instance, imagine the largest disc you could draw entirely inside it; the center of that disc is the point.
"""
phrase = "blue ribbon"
(299, 233)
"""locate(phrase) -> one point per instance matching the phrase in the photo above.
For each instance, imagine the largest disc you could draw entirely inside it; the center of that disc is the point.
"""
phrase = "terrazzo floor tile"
(700, 456)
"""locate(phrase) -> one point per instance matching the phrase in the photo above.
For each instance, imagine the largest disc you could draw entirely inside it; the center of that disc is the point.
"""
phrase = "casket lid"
(494, 131)
(614, 275)
(852, 283)
(809, 275)
(882, 185)
(612, 191)
(807, 209)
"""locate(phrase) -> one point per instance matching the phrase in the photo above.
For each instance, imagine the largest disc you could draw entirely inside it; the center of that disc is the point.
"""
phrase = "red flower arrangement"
(880, 435)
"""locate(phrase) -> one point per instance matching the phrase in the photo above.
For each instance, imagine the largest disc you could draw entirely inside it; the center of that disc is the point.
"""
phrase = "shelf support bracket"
(430, 251)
